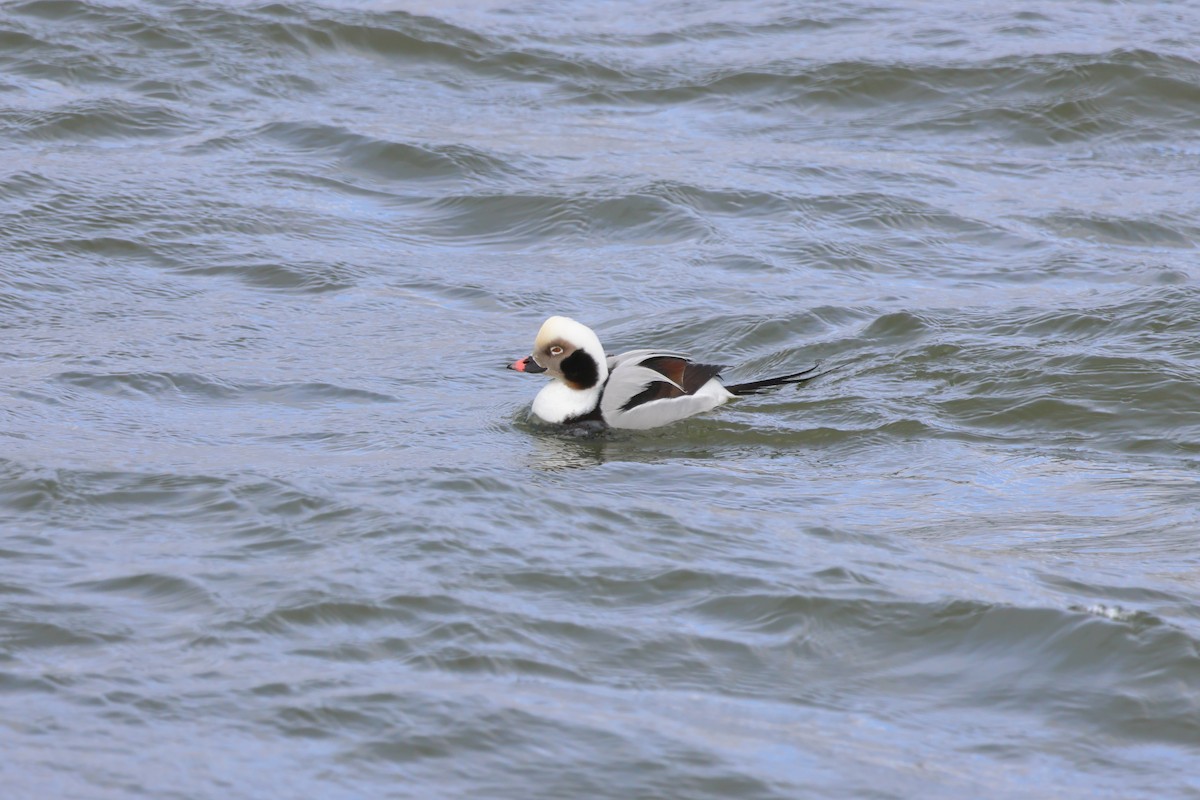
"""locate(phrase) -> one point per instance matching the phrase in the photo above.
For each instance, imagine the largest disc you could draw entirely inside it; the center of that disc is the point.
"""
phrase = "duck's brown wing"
(639, 380)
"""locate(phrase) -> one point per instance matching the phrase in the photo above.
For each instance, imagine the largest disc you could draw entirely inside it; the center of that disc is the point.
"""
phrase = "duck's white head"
(567, 350)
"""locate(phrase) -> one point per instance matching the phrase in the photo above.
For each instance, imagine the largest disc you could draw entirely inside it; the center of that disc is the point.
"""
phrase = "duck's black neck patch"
(581, 370)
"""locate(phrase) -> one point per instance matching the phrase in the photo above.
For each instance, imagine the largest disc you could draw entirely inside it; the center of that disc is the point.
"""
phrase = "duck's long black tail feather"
(755, 387)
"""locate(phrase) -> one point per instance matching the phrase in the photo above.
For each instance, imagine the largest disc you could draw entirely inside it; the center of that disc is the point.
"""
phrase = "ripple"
(189, 385)
(384, 160)
(514, 220)
(28, 635)
(164, 591)
(1106, 230)
(95, 120)
(311, 277)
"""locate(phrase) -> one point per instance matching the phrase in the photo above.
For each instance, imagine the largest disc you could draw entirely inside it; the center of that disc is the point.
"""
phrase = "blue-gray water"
(275, 522)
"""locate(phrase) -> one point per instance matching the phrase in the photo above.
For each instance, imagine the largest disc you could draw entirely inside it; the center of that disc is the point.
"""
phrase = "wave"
(200, 387)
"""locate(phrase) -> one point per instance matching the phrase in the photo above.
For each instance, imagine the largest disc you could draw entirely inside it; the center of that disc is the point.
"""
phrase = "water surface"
(274, 521)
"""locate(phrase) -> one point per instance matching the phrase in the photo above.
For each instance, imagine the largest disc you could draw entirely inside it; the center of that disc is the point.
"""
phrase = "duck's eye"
(556, 351)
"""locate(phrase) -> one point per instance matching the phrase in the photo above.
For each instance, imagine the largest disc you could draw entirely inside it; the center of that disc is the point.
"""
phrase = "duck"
(636, 390)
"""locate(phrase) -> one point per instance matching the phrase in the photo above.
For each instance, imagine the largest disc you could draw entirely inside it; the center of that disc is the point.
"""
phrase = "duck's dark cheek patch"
(580, 370)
